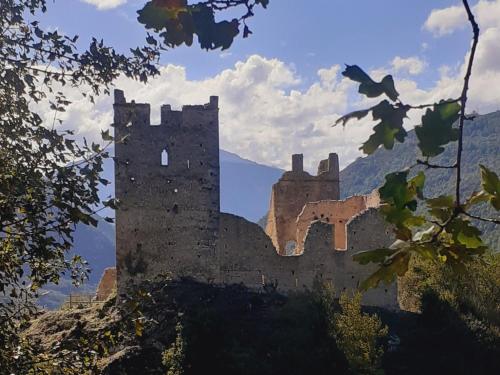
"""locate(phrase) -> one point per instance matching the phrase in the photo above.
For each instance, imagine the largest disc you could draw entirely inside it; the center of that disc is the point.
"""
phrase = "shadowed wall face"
(167, 182)
(289, 195)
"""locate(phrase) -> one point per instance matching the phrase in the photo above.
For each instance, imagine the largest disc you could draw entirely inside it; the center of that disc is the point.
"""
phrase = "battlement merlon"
(330, 165)
(142, 111)
(297, 163)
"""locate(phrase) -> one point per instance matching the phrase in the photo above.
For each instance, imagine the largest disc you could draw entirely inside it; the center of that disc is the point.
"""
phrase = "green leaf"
(155, 15)
(398, 196)
(139, 327)
(264, 3)
(368, 86)
(396, 266)
(106, 136)
(356, 114)
(476, 197)
(491, 185)
(355, 73)
(437, 128)
(211, 34)
(111, 203)
(373, 256)
(441, 207)
(389, 129)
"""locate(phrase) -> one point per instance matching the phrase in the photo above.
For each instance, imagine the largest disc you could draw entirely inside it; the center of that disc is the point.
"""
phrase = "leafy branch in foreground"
(439, 228)
(49, 181)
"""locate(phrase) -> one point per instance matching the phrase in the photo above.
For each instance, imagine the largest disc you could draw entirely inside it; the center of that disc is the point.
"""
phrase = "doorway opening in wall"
(290, 247)
(164, 157)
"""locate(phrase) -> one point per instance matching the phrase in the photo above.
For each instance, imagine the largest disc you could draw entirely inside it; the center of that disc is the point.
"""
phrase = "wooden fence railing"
(81, 300)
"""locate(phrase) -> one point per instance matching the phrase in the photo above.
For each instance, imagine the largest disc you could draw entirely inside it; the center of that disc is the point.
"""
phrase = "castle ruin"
(169, 219)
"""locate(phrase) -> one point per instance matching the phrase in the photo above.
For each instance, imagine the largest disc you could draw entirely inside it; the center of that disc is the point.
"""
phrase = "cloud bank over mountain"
(268, 111)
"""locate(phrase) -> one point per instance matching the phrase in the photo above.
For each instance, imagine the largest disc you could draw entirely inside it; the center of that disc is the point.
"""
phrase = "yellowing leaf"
(491, 185)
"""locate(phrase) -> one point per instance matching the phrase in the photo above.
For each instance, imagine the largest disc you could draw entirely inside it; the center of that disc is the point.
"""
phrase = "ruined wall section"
(247, 256)
(168, 218)
(289, 195)
(337, 213)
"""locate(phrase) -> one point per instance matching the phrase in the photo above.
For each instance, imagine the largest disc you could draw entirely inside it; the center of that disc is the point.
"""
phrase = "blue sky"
(309, 34)
(279, 66)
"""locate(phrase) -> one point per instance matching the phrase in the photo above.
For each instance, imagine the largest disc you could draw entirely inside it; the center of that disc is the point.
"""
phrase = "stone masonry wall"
(168, 217)
(107, 284)
(248, 256)
(334, 212)
(289, 195)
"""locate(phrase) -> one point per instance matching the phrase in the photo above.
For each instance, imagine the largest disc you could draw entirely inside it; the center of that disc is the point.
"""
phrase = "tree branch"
(463, 98)
(489, 220)
(435, 166)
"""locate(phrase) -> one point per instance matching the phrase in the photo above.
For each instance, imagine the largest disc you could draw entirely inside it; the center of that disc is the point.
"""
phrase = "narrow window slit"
(164, 158)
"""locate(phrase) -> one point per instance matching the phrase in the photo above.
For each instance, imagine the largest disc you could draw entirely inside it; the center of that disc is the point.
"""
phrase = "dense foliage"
(358, 335)
(442, 228)
(458, 330)
(48, 180)
(480, 147)
(188, 328)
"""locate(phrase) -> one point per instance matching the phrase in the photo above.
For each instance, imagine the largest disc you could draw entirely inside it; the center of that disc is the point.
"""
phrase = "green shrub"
(358, 335)
(175, 356)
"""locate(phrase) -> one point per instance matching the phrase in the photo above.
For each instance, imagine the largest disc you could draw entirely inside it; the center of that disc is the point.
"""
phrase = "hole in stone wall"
(201, 163)
(164, 158)
(290, 247)
(175, 209)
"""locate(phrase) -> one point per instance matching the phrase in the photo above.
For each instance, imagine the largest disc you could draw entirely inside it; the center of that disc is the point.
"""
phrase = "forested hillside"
(481, 146)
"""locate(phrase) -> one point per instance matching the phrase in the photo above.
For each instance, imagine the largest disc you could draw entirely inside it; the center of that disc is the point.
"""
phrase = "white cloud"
(267, 112)
(483, 95)
(445, 21)
(411, 65)
(105, 4)
(263, 115)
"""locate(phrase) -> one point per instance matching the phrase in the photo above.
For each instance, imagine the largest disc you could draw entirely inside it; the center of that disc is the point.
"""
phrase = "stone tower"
(289, 195)
(167, 182)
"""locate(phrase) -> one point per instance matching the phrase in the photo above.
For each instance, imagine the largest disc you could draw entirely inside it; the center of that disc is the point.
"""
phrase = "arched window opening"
(290, 247)
(164, 158)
